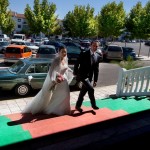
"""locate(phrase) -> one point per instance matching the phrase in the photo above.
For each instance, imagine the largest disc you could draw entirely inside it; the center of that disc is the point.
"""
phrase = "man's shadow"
(75, 113)
(29, 118)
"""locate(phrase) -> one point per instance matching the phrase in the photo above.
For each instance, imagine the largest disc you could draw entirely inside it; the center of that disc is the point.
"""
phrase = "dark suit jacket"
(84, 69)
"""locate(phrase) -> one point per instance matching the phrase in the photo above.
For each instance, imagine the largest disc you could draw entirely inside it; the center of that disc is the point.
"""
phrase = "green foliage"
(129, 63)
(7, 24)
(81, 22)
(146, 20)
(42, 18)
(111, 19)
(134, 21)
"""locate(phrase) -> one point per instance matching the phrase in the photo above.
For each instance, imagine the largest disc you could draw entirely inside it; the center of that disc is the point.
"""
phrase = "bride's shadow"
(29, 118)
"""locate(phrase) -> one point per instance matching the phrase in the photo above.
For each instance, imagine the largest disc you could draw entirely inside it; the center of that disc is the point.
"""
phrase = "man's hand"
(94, 84)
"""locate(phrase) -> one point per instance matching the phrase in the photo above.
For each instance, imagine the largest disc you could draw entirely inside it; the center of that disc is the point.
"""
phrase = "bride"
(54, 97)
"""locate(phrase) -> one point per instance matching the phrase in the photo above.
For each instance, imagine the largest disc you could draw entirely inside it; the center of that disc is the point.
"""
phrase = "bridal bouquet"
(59, 78)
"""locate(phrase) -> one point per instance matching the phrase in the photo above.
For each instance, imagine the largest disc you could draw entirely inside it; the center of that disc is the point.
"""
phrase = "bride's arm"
(53, 71)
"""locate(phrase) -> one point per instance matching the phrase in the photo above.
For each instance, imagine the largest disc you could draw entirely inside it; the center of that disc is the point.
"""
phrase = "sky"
(64, 6)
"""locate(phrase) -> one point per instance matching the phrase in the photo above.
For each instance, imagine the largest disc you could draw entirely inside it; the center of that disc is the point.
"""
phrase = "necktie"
(93, 59)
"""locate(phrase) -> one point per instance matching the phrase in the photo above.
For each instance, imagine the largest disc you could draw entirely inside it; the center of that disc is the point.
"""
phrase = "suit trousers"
(86, 87)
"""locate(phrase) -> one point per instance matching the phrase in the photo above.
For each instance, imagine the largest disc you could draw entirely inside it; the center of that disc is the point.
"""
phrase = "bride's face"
(63, 53)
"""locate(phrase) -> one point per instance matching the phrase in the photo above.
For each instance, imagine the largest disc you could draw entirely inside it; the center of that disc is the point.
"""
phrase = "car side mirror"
(29, 79)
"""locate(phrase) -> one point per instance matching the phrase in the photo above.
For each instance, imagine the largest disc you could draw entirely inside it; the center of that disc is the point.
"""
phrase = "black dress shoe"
(79, 109)
(95, 107)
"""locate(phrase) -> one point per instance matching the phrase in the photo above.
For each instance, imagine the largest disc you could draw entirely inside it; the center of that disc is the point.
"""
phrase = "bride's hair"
(61, 47)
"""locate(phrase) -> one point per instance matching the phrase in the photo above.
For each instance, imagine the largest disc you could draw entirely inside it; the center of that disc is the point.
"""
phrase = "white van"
(4, 37)
(18, 37)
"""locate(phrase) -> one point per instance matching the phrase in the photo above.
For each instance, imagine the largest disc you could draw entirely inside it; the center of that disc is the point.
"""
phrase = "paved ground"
(17, 105)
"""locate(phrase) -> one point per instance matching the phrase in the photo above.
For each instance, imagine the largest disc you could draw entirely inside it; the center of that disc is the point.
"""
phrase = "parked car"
(26, 75)
(31, 45)
(85, 44)
(19, 37)
(57, 44)
(46, 51)
(3, 46)
(38, 42)
(71, 44)
(15, 52)
(128, 51)
(4, 37)
(112, 52)
(73, 53)
(147, 42)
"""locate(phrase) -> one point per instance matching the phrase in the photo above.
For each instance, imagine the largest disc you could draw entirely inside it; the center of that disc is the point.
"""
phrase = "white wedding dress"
(51, 100)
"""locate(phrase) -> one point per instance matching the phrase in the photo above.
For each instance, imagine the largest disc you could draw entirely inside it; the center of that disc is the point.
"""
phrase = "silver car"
(3, 45)
(46, 51)
(112, 52)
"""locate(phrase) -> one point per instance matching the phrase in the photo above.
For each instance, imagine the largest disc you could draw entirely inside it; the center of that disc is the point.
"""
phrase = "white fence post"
(119, 83)
(134, 82)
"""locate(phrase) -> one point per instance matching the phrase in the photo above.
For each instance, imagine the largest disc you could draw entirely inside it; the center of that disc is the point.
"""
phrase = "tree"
(135, 22)
(42, 18)
(7, 24)
(80, 22)
(111, 19)
(146, 20)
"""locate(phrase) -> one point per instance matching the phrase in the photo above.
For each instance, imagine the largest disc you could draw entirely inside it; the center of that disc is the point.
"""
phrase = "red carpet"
(40, 125)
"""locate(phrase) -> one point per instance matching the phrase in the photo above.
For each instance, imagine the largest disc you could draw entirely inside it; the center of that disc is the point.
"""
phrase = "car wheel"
(22, 90)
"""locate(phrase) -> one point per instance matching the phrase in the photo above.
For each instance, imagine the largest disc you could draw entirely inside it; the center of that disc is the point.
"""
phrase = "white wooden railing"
(134, 82)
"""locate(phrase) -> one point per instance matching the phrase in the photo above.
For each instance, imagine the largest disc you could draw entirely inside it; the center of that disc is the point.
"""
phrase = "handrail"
(133, 82)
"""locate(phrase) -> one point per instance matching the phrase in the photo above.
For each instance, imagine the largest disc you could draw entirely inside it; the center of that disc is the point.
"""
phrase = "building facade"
(21, 23)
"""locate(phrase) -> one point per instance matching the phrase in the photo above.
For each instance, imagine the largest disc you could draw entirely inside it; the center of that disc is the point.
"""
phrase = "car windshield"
(18, 43)
(47, 50)
(38, 40)
(127, 49)
(13, 50)
(29, 44)
(17, 37)
(85, 44)
(73, 50)
(4, 43)
(114, 48)
(15, 68)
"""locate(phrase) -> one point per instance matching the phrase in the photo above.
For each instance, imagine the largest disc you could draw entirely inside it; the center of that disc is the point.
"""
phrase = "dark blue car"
(128, 51)
(55, 43)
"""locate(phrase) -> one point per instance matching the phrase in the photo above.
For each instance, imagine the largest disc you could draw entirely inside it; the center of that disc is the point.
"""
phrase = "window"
(16, 67)
(26, 49)
(114, 48)
(19, 20)
(19, 26)
(47, 51)
(38, 68)
(73, 50)
(13, 50)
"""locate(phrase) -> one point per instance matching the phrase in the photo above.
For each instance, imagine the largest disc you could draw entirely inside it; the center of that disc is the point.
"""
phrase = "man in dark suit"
(86, 69)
